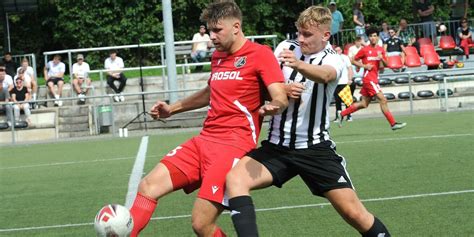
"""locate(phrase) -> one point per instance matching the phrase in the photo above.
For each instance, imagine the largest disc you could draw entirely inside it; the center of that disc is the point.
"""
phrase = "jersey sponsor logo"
(240, 61)
(214, 189)
(373, 58)
(233, 75)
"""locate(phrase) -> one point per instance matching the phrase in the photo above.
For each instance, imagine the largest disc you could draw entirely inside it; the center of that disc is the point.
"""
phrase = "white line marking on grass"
(137, 173)
(259, 210)
(408, 138)
(337, 142)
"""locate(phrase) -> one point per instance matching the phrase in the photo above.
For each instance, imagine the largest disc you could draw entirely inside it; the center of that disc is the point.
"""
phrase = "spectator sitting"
(4, 94)
(20, 94)
(80, 72)
(407, 35)
(199, 50)
(53, 74)
(29, 77)
(336, 24)
(115, 64)
(10, 65)
(394, 47)
(465, 35)
(353, 50)
(459, 9)
(384, 34)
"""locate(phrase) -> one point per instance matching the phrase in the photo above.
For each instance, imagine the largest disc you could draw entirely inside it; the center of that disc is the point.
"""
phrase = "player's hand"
(268, 109)
(294, 90)
(160, 110)
(368, 66)
(288, 58)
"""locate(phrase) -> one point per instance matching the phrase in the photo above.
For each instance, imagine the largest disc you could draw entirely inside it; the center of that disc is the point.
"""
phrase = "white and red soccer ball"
(113, 221)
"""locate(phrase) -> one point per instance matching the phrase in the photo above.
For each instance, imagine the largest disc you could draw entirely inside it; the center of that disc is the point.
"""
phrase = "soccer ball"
(113, 221)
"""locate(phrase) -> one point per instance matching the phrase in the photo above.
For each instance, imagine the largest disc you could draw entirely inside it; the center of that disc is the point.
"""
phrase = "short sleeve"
(360, 54)
(335, 61)
(268, 67)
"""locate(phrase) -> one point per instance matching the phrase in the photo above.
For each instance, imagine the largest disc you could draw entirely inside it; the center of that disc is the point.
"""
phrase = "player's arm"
(197, 100)
(279, 100)
(383, 58)
(319, 74)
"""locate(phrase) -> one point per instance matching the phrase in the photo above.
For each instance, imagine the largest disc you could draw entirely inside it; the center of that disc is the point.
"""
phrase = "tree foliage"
(74, 24)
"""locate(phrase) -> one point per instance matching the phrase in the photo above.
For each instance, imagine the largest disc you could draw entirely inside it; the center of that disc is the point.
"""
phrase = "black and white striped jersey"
(306, 120)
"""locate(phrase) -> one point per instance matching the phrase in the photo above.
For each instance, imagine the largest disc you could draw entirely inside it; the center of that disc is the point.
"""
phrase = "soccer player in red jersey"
(371, 56)
(240, 72)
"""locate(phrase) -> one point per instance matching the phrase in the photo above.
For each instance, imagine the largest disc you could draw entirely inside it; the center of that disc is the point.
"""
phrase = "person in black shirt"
(20, 93)
(394, 46)
(10, 65)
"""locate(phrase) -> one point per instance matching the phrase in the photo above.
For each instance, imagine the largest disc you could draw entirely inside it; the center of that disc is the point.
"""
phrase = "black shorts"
(320, 167)
(54, 80)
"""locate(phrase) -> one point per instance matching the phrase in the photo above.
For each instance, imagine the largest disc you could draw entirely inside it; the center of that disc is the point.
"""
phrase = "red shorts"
(370, 89)
(205, 164)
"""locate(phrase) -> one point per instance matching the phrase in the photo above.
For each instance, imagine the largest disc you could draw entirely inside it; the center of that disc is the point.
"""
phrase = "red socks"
(349, 110)
(218, 232)
(389, 117)
(142, 210)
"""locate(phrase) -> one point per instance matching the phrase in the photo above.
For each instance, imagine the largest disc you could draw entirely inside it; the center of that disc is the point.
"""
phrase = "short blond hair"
(315, 15)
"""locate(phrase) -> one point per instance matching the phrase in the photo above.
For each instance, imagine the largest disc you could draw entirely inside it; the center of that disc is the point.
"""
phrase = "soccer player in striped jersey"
(299, 142)
(240, 72)
(371, 56)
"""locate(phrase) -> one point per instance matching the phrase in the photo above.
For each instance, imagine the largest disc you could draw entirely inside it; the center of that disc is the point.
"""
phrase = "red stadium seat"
(423, 41)
(426, 48)
(413, 59)
(346, 48)
(395, 62)
(447, 42)
(431, 59)
(410, 50)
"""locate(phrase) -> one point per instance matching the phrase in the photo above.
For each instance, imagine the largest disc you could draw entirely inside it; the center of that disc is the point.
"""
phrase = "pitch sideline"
(258, 210)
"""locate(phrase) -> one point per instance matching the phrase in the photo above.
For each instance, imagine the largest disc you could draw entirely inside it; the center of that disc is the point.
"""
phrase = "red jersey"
(237, 81)
(369, 55)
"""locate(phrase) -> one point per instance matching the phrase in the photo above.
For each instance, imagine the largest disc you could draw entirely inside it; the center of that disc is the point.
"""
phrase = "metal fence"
(161, 46)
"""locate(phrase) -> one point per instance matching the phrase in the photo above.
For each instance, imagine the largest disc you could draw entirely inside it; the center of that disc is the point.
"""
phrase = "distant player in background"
(240, 72)
(299, 142)
(371, 57)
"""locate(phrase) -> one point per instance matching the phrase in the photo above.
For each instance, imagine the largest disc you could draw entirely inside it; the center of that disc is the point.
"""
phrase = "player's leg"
(348, 205)
(88, 83)
(176, 170)
(77, 87)
(386, 112)
(153, 186)
(204, 218)
(338, 100)
(325, 173)
(60, 84)
(50, 84)
(362, 104)
(247, 175)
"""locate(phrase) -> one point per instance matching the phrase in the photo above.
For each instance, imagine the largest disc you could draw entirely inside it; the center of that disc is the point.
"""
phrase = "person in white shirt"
(53, 75)
(345, 79)
(4, 92)
(115, 64)
(29, 77)
(199, 50)
(80, 72)
(353, 50)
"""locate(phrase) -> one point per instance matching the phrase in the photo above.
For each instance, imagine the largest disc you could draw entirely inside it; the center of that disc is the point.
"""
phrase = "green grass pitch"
(57, 188)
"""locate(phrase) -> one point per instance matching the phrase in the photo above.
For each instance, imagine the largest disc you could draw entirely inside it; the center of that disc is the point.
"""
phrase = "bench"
(183, 54)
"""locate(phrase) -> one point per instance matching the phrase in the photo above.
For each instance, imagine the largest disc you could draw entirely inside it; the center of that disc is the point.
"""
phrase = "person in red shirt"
(371, 57)
(240, 72)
